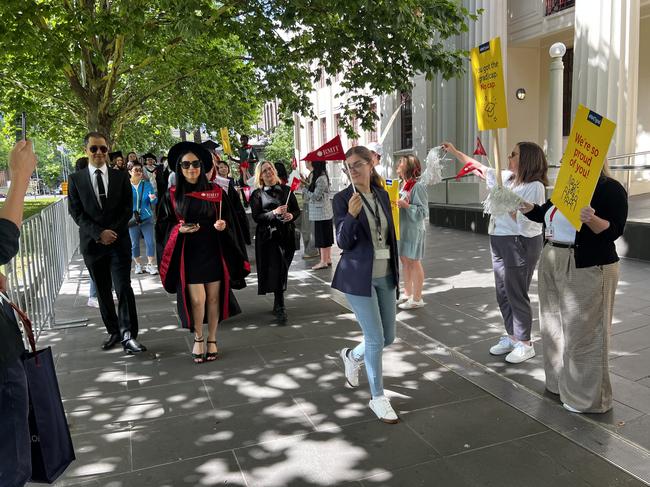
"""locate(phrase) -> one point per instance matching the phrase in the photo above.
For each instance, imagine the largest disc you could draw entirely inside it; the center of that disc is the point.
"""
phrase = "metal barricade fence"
(48, 241)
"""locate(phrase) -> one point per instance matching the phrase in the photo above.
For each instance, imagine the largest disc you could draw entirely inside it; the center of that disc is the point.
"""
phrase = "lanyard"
(375, 214)
(550, 219)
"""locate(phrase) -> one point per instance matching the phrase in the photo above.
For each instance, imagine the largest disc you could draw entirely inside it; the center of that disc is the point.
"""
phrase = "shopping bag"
(51, 444)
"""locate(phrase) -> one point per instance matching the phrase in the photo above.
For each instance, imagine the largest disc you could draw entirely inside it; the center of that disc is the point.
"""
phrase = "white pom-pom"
(432, 173)
(501, 201)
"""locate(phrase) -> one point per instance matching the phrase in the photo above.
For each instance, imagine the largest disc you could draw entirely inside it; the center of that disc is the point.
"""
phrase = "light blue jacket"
(141, 200)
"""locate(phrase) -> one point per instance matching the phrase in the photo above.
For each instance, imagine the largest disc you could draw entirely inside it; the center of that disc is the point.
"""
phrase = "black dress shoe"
(132, 346)
(112, 340)
(281, 314)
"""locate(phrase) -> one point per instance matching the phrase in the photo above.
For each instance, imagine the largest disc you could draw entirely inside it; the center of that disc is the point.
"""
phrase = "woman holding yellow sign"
(515, 243)
(578, 275)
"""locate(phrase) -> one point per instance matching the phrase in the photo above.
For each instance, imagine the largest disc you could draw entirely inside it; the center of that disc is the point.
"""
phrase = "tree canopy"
(135, 68)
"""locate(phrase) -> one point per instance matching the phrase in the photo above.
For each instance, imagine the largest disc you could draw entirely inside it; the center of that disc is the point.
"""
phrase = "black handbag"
(135, 219)
(51, 444)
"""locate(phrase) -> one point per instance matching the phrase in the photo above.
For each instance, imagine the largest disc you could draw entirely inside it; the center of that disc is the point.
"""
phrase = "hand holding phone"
(189, 228)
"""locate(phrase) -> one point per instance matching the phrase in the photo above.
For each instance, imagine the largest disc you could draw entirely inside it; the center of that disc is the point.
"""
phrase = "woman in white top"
(516, 244)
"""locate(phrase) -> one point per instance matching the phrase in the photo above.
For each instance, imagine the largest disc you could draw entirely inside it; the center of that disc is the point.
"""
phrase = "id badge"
(548, 232)
(382, 254)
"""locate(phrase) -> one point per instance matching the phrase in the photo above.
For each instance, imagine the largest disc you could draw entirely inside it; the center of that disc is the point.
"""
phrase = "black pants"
(15, 446)
(114, 269)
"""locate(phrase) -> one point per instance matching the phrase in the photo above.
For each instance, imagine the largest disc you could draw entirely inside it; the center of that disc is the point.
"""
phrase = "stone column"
(606, 65)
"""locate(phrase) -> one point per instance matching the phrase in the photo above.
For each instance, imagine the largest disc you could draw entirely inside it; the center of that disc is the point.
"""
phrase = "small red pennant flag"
(480, 150)
(294, 163)
(295, 184)
(330, 151)
(213, 195)
(470, 168)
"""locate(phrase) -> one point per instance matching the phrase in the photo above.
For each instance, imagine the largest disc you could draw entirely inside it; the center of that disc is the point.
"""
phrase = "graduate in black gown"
(275, 210)
(204, 250)
(223, 170)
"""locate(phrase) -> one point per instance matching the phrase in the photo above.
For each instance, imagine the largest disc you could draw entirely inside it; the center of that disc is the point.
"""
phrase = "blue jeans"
(146, 230)
(376, 316)
(93, 289)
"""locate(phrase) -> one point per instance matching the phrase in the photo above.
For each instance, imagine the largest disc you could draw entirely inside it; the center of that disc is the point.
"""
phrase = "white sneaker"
(521, 353)
(151, 269)
(570, 408)
(138, 269)
(505, 345)
(411, 304)
(351, 367)
(92, 303)
(384, 411)
(403, 298)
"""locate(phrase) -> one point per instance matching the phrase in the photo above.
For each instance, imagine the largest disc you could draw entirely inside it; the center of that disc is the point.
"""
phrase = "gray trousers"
(514, 259)
(575, 318)
(307, 231)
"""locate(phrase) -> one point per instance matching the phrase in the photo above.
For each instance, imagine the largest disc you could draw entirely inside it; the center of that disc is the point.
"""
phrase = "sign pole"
(497, 157)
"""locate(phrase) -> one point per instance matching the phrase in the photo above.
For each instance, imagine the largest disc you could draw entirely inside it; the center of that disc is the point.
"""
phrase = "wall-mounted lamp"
(520, 94)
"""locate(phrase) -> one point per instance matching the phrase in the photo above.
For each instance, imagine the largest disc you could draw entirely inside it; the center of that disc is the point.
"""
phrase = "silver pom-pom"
(501, 201)
(432, 173)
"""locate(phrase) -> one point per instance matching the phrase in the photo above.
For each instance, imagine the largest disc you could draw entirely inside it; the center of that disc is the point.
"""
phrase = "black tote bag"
(52, 449)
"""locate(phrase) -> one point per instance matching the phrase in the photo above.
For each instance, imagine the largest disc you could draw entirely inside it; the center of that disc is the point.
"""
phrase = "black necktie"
(100, 187)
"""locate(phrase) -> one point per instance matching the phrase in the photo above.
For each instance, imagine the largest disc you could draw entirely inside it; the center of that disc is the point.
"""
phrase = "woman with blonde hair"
(275, 209)
(413, 214)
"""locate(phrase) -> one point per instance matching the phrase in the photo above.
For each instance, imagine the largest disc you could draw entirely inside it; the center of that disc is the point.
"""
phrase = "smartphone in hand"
(21, 130)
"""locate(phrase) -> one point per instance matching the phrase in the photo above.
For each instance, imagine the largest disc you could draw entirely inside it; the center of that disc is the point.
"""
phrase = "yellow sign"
(581, 163)
(489, 86)
(392, 187)
(64, 188)
(225, 141)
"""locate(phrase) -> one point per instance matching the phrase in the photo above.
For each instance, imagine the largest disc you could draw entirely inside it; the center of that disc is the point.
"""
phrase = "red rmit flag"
(295, 184)
(480, 150)
(329, 151)
(213, 195)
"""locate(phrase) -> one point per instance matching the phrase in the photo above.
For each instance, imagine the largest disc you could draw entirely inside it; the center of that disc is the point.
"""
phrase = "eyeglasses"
(102, 148)
(195, 164)
(136, 169)
(356, 167)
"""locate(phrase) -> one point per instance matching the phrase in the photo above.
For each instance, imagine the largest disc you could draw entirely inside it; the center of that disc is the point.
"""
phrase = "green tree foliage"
(281, 147)
(133, 68)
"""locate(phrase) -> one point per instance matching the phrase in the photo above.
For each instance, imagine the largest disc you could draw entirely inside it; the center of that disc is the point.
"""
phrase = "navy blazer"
(354, 272)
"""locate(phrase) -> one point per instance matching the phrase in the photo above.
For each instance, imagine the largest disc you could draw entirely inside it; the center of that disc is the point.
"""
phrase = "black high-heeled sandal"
(198, 358)
(211, 356)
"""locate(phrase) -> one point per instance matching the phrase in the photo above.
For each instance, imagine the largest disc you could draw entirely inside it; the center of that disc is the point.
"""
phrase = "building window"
(310, 136)
(372, 134)
(337, 124)
(323, 130)
(355, 126)
(555, 6)
(567, 93)
(406, 117)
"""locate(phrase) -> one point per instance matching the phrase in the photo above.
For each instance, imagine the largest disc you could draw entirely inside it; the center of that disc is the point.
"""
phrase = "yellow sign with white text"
(489, 86)
(582, 163)
(392, 187)
(225, 141)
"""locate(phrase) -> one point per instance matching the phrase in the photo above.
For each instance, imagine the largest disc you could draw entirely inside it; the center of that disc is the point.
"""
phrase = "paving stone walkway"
(274, 410)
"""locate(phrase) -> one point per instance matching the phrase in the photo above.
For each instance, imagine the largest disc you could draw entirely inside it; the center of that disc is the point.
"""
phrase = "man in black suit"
(100, 201)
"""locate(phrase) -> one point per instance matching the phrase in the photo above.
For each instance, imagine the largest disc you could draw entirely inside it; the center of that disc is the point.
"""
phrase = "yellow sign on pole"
(225, 141)
(392, 187)
(582, 163)
(64, 188)
(489, 85)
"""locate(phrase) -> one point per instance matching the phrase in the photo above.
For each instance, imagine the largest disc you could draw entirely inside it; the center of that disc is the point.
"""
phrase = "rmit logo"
(594, 118)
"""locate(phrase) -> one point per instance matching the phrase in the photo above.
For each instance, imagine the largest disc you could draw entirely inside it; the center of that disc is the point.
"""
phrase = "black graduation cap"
(211, 145)
(114, 155)
(149, 155)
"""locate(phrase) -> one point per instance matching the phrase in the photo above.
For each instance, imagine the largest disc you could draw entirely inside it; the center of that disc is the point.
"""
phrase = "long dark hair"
(182, 187)
(319, 169)
(365, 154)
(532, 164)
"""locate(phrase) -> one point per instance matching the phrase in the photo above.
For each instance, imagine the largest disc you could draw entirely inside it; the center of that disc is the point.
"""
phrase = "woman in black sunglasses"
(204, 250)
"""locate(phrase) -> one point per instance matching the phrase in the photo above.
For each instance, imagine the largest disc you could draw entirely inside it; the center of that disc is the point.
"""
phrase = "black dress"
(275, 241)
(202, 253)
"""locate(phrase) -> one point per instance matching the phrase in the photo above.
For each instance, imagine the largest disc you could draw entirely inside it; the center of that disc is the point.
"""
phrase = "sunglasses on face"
(195, 164)
(101, 148)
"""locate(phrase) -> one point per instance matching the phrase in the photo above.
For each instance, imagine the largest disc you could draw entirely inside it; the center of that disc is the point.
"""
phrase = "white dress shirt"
(93, 180)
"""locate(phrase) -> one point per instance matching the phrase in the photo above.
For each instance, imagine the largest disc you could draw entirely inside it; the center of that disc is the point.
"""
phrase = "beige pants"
(575, 319)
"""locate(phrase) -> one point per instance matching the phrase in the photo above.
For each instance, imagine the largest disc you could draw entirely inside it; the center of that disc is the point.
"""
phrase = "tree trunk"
(197, 136)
